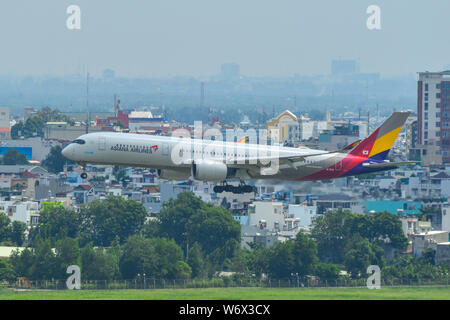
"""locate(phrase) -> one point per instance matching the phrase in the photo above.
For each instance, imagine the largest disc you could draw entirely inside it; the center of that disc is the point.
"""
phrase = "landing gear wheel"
(84, 175)
(237, 190)
(247, 189)
(223, 188)
(240, 189)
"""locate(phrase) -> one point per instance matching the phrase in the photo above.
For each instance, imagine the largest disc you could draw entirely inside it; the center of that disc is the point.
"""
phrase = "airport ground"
(387, 293)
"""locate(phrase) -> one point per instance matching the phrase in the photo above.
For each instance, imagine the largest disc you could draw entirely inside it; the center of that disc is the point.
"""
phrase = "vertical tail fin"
(379, 143)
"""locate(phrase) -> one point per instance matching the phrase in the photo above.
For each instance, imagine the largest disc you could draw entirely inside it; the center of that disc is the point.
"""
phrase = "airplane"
(177, 158)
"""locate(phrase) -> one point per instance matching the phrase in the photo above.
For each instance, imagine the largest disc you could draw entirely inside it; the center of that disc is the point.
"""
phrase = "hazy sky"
(194, 37)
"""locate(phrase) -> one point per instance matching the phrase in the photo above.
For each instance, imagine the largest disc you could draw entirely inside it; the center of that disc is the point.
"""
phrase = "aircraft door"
(165, 149)
(338, 166)
(102, 143)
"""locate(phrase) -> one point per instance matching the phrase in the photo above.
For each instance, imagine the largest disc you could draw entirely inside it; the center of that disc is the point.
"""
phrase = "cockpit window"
(79, 141)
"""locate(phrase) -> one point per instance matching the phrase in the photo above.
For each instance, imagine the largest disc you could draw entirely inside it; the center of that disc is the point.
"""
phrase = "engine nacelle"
(205, 170)
(178, 175)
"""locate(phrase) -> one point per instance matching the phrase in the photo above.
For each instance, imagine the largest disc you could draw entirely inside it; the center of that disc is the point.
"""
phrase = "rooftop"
(5, 252)
(335, 197)
(441, 175)
(430, 233)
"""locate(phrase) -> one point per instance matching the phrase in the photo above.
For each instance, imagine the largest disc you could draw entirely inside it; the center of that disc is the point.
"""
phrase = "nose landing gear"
(84, 175)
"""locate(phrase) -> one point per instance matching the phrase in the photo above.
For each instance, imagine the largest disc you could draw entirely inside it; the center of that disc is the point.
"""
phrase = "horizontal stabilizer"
(390, 164)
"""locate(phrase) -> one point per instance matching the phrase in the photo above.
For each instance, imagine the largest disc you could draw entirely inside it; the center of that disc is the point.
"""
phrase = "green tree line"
(116, 239)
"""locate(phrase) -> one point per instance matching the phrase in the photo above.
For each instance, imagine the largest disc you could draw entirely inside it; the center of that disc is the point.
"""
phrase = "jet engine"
(209, 171)
(178, 175)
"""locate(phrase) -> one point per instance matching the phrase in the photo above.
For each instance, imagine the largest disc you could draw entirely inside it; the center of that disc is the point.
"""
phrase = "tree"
(281, 260)
(237, 263)
(359, 254)
(305, 254)
(34, 126)
(22, 262)
(156, 258)
(428, 256)
(151, 229)
(188, 218)
(326, 271)
(388, 226)
(5, 228)
(7, 272)
(17, 234)
(57, 223)
(13, 232)
(225, 204)
(67, 254)
(13, 157)
(17, 130)
(334, 230)
(103, 221)
(99, 264)
(136, 257)
(196, 261)
(44, 266)
(257, 260)
(297, 257)
(182, 270)
(169, 257)
(330, 235)
(212, 227)
(175, 214)
(55, 161)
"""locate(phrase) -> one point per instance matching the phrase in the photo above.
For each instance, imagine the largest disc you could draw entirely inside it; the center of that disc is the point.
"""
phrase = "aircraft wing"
(282, 159)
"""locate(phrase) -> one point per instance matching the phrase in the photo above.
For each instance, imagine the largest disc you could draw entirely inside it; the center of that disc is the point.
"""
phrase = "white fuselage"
(159, 152)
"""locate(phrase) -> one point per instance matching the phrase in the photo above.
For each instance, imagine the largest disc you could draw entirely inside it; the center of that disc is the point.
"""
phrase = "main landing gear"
(240, 189)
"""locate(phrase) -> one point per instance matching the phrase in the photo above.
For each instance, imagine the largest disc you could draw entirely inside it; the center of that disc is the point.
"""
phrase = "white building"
(435, 186)
(267, 215)
(310, 128)
(445, 217)
(23, 211)
(306, 213)
(412, 225)
(427, 240)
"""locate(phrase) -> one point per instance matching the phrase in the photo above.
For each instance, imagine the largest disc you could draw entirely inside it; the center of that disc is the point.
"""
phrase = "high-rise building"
(433, 114)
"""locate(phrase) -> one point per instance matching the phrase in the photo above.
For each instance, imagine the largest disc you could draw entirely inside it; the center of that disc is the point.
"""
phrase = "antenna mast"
(87, 104)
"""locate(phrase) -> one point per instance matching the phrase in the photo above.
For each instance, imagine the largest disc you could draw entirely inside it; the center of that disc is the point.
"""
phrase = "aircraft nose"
(66, 152)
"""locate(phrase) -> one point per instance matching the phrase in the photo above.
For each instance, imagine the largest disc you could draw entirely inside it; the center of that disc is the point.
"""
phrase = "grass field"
(407, 293)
